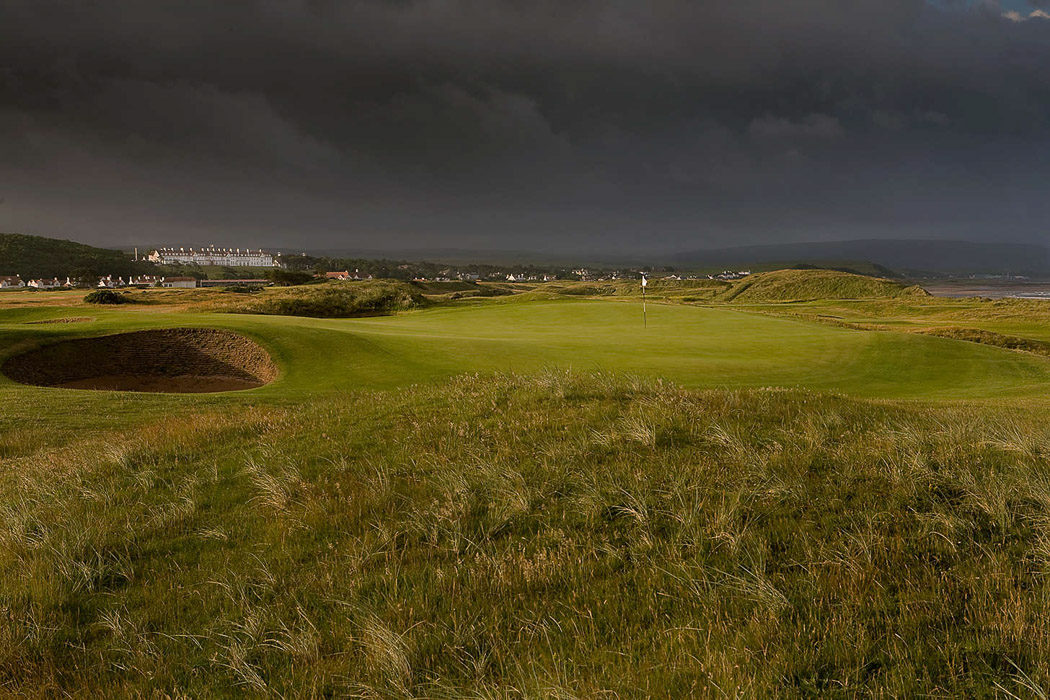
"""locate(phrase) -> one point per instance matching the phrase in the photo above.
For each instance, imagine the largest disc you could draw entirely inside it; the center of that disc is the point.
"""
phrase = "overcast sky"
(538, 125)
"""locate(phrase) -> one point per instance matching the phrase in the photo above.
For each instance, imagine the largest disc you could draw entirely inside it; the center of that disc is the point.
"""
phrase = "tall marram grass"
(557, 535)
(331, 300)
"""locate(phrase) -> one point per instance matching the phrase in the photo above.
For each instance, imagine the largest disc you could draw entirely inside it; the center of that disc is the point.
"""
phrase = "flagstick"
(645, 322)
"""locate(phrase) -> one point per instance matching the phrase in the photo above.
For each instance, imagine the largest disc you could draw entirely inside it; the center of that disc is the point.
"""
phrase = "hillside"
(908, 256)
(36, 256)
(803, 285)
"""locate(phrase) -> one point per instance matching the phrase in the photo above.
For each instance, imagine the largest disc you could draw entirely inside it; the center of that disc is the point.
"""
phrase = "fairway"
(691, 346)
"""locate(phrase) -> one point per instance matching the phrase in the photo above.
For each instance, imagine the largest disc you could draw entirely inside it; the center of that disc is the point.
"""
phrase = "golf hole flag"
(645, 283)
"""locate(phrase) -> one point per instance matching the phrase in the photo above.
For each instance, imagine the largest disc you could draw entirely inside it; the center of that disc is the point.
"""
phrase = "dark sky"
(538, 125)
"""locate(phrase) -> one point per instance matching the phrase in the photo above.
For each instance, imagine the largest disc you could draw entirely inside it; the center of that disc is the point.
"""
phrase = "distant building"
(229, 257)
(13, 282)
(731, 275)
(45, 283)
(178, 282)
(144, 281)
(344, 275)
(108, 282)
(236, 283)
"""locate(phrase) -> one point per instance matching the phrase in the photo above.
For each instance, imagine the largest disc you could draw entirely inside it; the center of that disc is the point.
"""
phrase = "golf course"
(801, 484)
(692, 346)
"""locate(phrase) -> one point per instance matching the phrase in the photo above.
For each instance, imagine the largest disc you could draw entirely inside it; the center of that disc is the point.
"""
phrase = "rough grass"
(515, 536)
(774, 286)
(333, 299)
(802, 285)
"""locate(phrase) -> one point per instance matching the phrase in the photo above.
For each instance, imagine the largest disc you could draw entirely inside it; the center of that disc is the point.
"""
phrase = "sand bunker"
(181, 360)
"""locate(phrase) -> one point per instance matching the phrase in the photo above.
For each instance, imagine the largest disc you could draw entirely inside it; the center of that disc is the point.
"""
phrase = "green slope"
(695, 347)
(802, 285)
(36, 256)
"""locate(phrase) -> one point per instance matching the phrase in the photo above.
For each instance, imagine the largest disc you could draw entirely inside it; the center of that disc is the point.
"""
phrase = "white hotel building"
(231, 257)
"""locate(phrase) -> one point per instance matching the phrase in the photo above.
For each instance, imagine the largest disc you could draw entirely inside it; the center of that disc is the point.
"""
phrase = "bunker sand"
(178, 360)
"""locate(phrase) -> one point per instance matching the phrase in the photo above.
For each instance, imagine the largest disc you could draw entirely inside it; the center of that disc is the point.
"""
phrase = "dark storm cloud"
(524, 125)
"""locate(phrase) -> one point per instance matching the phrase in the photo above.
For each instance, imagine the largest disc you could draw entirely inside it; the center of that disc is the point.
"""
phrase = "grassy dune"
(550, 535)
(329, 300)
(526, 497)
(803, 285)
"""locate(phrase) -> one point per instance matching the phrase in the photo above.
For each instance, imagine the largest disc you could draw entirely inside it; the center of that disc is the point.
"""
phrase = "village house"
(730, 275)
(178, 282)
(108, 282)
(45, 283)
(583, 273)
(344, 275)
(144, 281)
(11, 282)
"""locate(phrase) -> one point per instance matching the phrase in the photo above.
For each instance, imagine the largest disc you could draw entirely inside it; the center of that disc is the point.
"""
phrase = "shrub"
(287, 278)
(336, 300)
(107, 296)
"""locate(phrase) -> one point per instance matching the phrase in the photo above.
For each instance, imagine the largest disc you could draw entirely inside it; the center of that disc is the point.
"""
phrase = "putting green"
(696, 347)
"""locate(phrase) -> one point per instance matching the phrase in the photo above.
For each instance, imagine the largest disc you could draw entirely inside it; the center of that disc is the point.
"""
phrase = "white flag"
(645, 282)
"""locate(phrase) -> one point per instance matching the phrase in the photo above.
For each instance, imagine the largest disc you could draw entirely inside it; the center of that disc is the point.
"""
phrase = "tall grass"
(556, 535)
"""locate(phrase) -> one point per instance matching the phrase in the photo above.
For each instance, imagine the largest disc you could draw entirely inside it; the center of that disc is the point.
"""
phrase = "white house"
(45, 283)
(144, 281)
(12, 282)
(108, 282)
(178, 282)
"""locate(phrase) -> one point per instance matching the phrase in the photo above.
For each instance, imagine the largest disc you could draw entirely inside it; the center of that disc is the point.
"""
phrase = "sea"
(989, 290)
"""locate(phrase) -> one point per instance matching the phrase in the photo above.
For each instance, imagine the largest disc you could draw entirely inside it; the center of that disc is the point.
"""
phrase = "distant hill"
(804, 285)
(36, 256)
(911, 257)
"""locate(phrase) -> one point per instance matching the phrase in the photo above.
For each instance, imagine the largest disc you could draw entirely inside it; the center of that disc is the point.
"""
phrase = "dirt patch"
(178, 360)
(72, 319)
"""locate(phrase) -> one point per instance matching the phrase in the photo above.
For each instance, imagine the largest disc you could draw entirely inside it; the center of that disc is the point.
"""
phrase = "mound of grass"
(804, 285)
(696, 290)
(593, 536)
(107, 296)
(334, 299)
(448, 291)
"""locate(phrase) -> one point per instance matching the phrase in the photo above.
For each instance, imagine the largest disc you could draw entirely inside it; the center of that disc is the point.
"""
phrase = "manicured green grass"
(695, 347)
